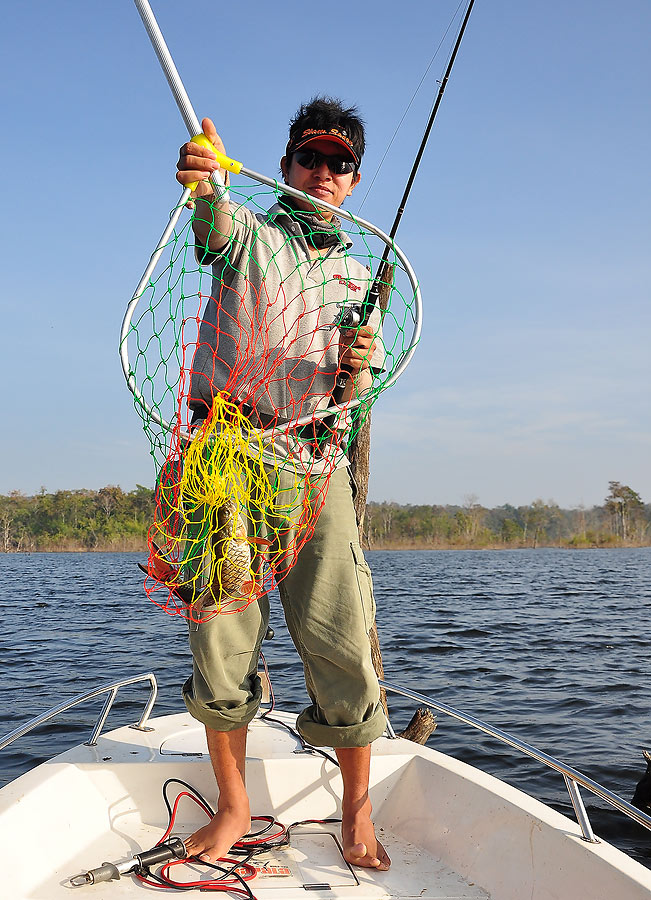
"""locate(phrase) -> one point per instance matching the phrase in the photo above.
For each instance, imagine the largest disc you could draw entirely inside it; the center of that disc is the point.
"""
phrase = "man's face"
(320, 182)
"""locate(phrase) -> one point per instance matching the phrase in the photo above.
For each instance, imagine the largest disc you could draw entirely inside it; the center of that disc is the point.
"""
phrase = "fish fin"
(162, 571)
(262, 542)
(184, 592)
(247, 587)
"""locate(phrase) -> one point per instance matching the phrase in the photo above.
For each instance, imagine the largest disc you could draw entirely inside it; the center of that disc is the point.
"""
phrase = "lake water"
(550, 645)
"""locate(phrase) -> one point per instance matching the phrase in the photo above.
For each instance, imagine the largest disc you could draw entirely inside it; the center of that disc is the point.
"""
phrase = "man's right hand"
(197, 163)
(213, 226)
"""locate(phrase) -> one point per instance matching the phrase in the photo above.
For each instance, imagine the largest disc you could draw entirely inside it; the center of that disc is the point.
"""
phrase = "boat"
(81, 823)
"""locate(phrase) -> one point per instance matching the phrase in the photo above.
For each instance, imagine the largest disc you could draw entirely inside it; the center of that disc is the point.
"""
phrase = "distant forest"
(112, 519)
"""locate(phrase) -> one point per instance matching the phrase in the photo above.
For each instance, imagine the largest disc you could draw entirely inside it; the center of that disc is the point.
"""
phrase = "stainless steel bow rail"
(110, 689)
(573, 778)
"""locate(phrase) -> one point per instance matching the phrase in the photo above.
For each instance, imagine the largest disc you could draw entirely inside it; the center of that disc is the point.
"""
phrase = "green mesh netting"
(233, 359)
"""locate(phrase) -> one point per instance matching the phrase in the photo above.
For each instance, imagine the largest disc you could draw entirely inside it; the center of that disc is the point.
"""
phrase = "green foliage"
(76, 520)
(624, 520)
(511, 532)
(110, 519)
(627, 512)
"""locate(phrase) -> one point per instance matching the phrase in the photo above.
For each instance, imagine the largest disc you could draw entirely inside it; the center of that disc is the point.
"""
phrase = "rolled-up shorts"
(327, 597)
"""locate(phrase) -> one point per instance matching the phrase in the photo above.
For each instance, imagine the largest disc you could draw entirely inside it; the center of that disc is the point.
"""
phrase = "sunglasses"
(311, 159)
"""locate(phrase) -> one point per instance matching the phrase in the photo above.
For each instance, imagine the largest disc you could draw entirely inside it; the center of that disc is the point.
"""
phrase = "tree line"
(108, 519)
(113, 519)
(623, 520)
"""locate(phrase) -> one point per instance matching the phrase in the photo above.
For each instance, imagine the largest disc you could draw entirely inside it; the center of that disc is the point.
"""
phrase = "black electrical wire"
(304, 744)
(250, 845)
(190, 788)
(226, 872)
(265, 715)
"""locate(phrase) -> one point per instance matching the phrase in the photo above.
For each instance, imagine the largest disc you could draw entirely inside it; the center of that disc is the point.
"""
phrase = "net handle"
(176, 86)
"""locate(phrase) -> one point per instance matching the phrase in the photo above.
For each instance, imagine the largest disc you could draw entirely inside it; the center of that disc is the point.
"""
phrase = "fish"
(229, 548)
(231, 577)
(642, 795)
(232, 548)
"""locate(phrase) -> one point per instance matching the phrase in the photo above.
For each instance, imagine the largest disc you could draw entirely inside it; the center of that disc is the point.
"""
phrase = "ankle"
(359, 807)
(236, 803)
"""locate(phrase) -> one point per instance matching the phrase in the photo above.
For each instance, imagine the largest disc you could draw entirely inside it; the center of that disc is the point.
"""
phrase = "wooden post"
(423, 722)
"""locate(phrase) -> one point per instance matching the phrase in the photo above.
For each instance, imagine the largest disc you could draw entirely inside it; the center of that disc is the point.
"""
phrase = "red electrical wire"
(207, 811)
(225, 883)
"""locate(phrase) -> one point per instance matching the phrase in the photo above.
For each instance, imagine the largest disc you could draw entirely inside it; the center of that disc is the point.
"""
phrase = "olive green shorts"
(327, 597)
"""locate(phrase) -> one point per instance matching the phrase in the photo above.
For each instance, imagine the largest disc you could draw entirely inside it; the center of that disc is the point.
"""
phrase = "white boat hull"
(451, 830)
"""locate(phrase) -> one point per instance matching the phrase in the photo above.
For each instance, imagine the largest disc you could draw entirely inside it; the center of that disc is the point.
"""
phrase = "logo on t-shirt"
(348, 284)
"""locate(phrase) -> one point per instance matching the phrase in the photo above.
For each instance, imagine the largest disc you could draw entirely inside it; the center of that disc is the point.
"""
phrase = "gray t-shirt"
(264, 338)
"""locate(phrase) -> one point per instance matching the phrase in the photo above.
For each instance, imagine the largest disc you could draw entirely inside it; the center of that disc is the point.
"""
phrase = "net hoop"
(230, 522)
(405, 356)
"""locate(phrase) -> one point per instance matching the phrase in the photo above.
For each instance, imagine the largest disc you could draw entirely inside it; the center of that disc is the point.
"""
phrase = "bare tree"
(5, 530)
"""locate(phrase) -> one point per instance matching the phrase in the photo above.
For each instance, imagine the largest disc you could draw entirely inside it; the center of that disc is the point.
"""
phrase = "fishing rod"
(357, 315)
(430, 123)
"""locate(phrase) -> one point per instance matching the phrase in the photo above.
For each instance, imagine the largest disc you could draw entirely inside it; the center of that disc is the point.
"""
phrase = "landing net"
(232, 359)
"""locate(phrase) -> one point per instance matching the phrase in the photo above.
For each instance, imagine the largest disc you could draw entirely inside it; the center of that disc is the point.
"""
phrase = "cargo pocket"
(365, 584)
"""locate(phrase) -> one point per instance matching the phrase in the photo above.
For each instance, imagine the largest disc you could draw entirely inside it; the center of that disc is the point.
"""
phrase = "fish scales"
(232, 570)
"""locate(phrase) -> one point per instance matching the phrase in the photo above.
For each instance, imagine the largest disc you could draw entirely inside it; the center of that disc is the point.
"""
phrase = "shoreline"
(110, 520)
(387, 548)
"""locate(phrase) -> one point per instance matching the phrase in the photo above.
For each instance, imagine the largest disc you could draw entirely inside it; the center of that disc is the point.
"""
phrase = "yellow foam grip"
(224, 161)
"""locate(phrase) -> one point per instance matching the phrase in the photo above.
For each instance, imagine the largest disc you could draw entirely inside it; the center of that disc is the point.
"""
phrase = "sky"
(528, 227)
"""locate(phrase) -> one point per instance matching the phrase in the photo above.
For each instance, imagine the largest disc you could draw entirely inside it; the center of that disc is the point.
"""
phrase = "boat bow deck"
(453, 832)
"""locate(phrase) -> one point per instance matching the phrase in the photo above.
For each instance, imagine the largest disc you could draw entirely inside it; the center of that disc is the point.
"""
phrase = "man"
(285, 269)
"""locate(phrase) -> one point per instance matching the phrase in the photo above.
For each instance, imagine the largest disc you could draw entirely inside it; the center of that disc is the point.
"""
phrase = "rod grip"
(224, 161)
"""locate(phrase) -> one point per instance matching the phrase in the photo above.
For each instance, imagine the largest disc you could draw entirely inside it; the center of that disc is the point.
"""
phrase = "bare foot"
(361, 847)
(213, 841)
